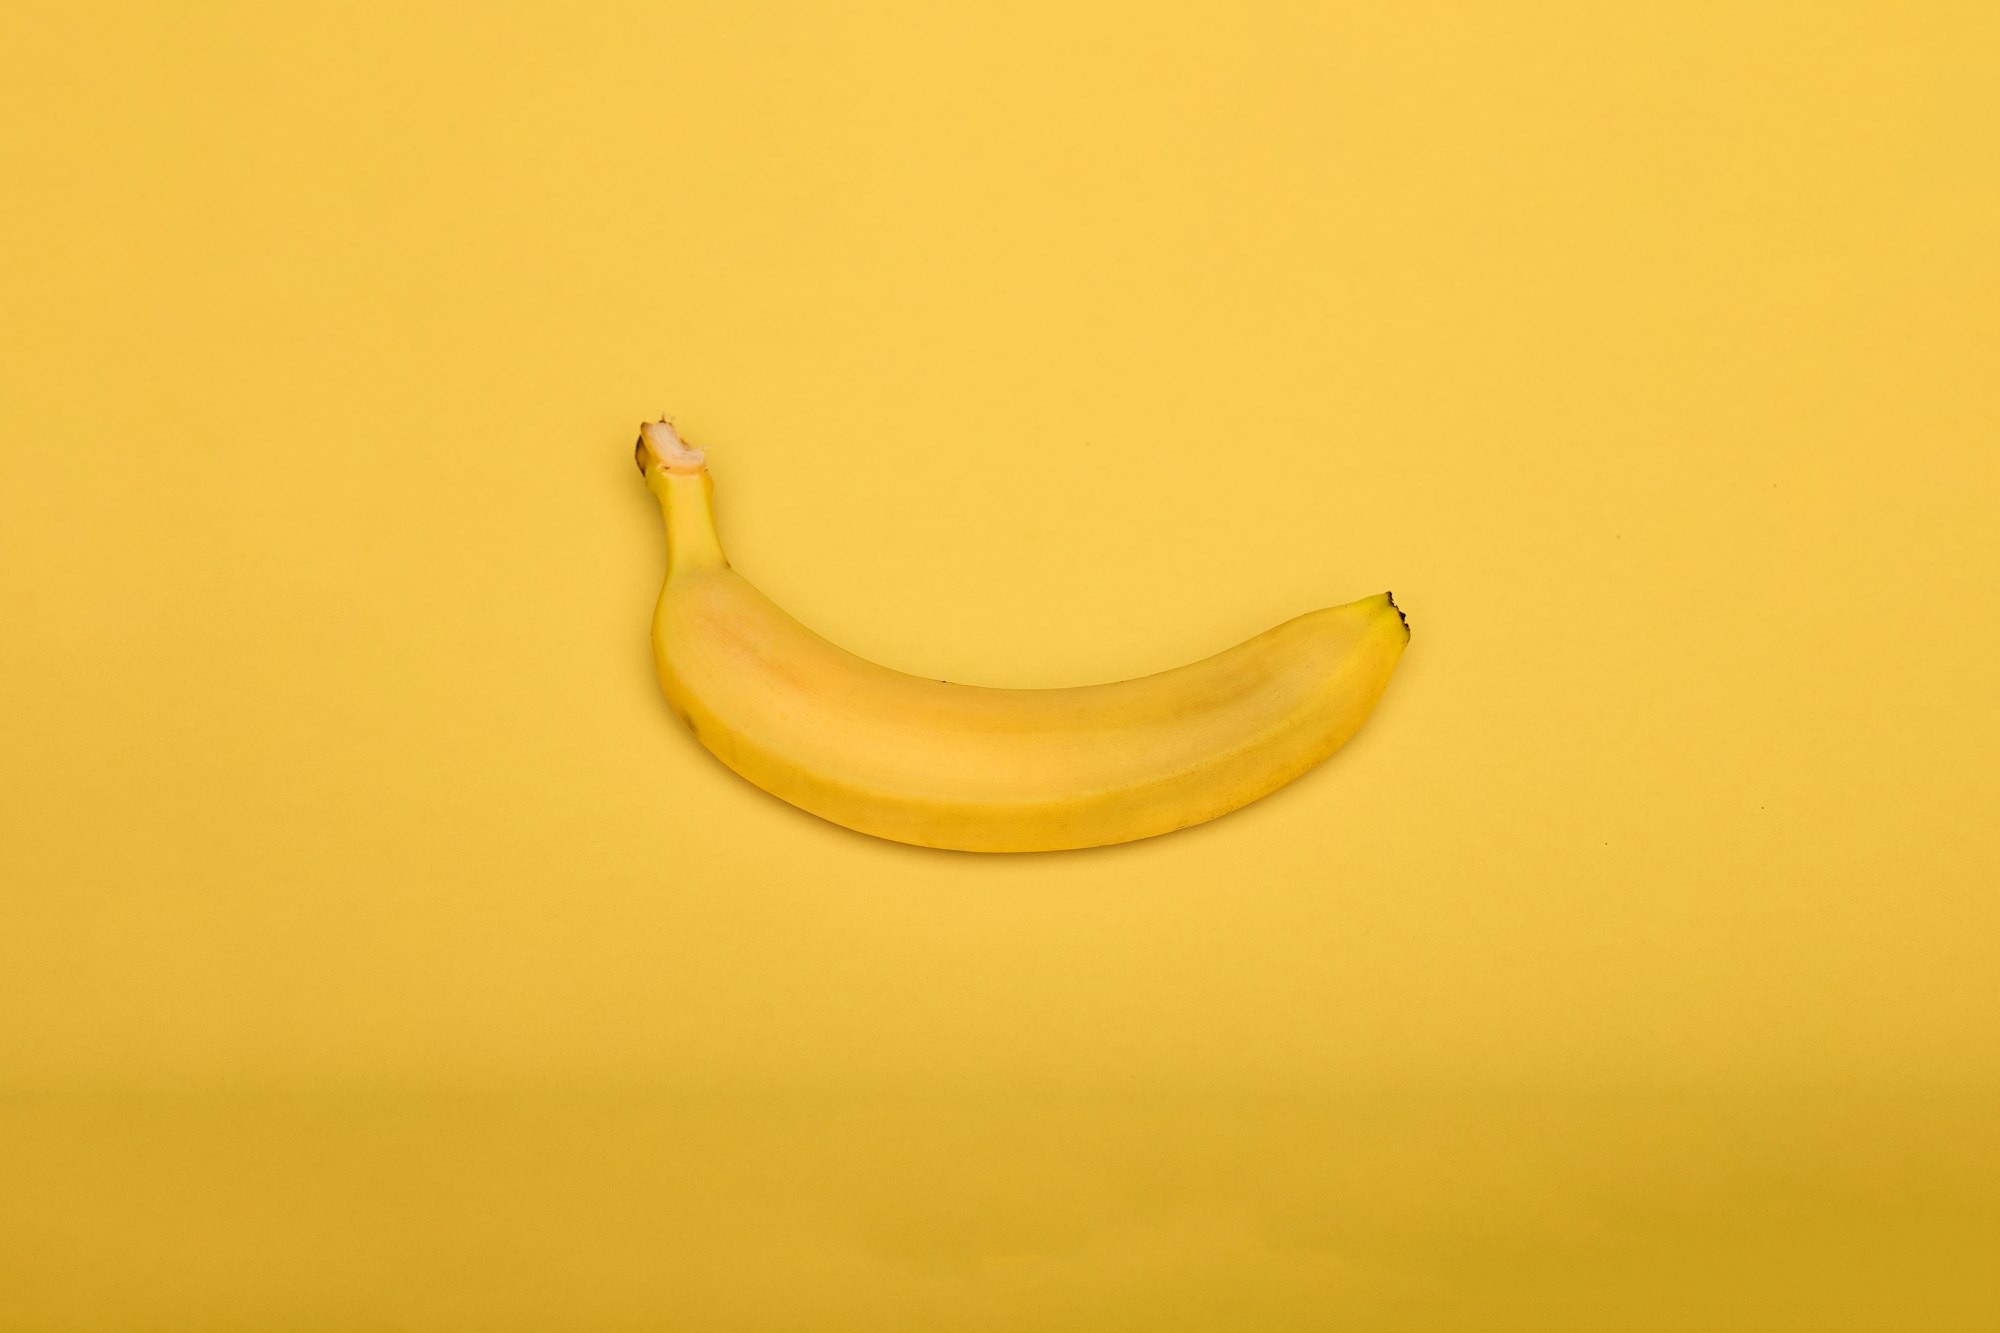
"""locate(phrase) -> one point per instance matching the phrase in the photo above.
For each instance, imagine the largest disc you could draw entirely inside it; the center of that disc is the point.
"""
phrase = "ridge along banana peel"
(991, 770)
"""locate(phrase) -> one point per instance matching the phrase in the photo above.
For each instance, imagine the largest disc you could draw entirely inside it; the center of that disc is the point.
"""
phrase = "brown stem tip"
(660, 446)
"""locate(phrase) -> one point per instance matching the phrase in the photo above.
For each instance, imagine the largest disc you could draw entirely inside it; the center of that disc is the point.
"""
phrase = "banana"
(991, 770)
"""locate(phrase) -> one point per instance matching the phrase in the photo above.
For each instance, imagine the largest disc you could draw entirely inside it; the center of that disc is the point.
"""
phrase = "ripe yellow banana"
(991, 770)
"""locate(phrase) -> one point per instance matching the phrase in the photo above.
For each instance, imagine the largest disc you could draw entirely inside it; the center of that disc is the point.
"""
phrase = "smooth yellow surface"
(975, 768)
(377, 952)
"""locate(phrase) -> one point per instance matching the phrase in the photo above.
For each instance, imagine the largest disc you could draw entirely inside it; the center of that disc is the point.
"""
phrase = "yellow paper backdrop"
(376, 953)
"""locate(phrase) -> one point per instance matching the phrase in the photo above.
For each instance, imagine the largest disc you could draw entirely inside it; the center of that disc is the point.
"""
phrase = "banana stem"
(677, 475)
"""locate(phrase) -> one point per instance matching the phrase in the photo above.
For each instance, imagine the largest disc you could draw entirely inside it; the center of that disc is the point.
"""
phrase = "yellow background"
(377, 953)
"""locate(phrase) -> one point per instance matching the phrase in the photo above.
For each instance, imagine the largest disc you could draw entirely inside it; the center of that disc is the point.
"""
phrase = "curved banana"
(991, 770)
